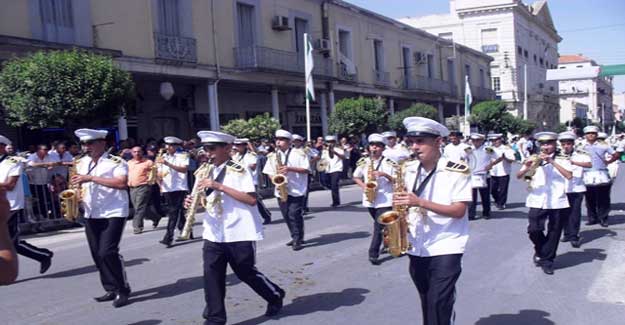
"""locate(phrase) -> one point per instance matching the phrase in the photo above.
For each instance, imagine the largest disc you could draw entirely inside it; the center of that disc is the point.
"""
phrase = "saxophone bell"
(395, 221)
(280, 181)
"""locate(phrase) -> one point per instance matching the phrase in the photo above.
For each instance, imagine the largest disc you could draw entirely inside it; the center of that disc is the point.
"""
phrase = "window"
(345, 43)
(525, 54)
(430, 63)
(57, 20)
(482, 80)
(496, 84)
(490, 40)
(447, 36)
(467, 71)
(541, 61)
(519, 50)
(169, 17)
(378, 53)
(406, 64)
(245, 24)
(301, 27)
(535, 58)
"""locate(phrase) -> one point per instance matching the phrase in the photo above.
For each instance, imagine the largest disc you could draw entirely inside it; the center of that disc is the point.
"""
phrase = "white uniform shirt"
(396, 153)
(298, 182)
(576, 184)
(479, 158)
(238, 221)
(384, 191)
(39, 175)
(336, 163)
(13, 166)
(547, 189)
(247, 161)
(456, 152)
(435, 234)
(502, 168)
(61, 170)
(173, 180)
(101, 201)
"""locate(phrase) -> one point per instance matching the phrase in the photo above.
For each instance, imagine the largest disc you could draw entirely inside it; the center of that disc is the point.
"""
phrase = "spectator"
(39, 174)
(10, 149)
(138, 172)
(64, 157)
(8, 257)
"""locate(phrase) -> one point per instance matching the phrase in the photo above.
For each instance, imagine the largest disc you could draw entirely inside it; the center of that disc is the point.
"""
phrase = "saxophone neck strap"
(418, 190)
(220, 177)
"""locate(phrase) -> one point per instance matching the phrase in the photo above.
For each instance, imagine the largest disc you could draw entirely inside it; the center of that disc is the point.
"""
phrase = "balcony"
(381, 78)
(414, 82)
(175, 49)
(268, 59)
(482, 93)
(345, 75)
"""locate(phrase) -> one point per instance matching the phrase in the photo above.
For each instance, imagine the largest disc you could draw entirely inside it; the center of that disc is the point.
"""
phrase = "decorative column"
(213, 106)
(275, 105)
(441, 112)
(324, 113)
(391, 105)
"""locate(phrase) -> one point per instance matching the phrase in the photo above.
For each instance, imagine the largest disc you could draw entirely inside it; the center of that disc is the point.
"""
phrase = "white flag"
(468, 97)
(308, 68)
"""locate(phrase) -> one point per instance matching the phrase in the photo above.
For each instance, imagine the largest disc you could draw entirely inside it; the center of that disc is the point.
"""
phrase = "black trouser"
(104, 236)
(241, 257)
(499, 189)
(598, 202)
(435, 278)
(546, 245)
(307, 192)
(574, 213)
(155, 203)
(377, 234)
(262, 209)
(175, 213)
(140, 198)
(21, 246)
(292, 212)
(334, 186)
(485, 196)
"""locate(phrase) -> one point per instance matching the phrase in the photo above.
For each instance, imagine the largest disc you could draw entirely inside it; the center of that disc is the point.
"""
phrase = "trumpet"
(280, 181)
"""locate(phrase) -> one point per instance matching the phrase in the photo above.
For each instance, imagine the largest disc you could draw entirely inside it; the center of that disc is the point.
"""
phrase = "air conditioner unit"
(323, 45)
(281, 23)
(418, 58)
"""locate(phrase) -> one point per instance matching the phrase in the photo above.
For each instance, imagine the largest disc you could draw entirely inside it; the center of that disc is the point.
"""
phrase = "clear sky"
(595, 28)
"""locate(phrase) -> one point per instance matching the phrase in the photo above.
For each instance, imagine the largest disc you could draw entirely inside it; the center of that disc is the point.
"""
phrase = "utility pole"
(525, 91)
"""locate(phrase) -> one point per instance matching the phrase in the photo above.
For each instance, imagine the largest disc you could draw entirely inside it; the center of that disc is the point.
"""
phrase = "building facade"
(593, 93)
(521, 38)
(198, 64)
(618, 107)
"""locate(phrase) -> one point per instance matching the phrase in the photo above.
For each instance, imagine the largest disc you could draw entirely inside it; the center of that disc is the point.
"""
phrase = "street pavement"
(331, 281)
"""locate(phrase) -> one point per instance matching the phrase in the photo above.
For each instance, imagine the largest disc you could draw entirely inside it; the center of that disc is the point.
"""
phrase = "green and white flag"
(308, 68)
(468, 97)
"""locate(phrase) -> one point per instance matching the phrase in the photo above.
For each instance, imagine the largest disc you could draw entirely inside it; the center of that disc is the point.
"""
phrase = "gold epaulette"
(231, 165)
(15, 159)
(184, 154)
(458, 167)
(252, 153)
(271, 154)
(115, 159)
(389, 161)
(361, 161)
(299, 151)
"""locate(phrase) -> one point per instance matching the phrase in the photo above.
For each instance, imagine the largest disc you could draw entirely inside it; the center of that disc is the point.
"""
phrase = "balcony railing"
(414, 82)
(381, 78)
(175, 49)
(345, 75)
(263, 58)
(482, 93)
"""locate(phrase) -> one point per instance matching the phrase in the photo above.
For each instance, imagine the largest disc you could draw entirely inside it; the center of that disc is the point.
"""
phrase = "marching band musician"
(313, 157)
(437, 194)
(394, 151)
(172, 169)
(383, 169)
(103, 178)
(596, 178)
(481, 161)
(295, 167)
(334, 156)
(230, 230)
(247, 158)
(547, 199)
(500, 173)
(575, 187)
(456, 150)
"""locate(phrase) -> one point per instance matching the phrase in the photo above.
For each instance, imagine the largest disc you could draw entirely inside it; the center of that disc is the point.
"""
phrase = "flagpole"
(308, 119)
(309, 85)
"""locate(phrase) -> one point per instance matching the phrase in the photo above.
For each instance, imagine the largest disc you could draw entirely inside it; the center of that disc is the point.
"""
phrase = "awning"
(612, 70)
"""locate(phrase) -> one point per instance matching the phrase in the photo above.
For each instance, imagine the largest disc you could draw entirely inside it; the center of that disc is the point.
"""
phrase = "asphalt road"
(331, 281)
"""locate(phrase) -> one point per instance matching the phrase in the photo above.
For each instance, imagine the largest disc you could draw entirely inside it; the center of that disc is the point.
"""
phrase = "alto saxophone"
(196, 197)
(71, 197)
(395, 221)
(153, 176)
(372, 185)
(280, 181)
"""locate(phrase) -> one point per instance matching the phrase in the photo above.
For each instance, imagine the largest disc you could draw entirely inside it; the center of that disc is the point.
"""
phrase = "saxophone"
(395, 221)
(372, 185)
(153, 174)
(280, 181)
(196, 197)
(536, 162)
(71, 197)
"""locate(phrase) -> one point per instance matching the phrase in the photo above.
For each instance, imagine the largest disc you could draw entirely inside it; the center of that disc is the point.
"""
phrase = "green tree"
(258, 127)
(491, 116)
(395, 122)
(58, 88)
(357, 116)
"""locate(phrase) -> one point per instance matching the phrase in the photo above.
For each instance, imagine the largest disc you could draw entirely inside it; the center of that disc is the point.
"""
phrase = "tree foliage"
(357, 116)
(493, 116)
(258, 127)
(395, 122)
(56, 88)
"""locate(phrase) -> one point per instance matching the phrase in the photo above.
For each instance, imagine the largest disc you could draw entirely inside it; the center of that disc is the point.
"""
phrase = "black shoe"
(486, 217)
(155, 223)
(137, 231)
(275, 307)
(576, 243)
(45, 264)
(267, 221)
(290, 243)
(120, 300)
(374, 261)
(335, 205)
(166, 243)
(297, 245)
(604, 223)
(548, 269)
(108, 296)
(564, 240)
(590, 223)
(536, 260)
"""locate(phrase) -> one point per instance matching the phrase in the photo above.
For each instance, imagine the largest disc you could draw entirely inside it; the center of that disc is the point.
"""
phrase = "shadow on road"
(570, 259)
(505, 214)
(327, 301)
(82, 270)
(589, 235)
(327, 239)
(147, 322)
(524, 317)
(281, 220)
(180, 287)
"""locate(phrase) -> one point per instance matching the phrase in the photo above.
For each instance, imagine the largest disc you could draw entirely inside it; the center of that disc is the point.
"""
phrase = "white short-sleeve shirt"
(502, 168)
(248, 160)
(13, 166)
(297, 182)
(335, 164)
(435, 234)
(479, 159)
(238, 221)
(547, 189)
(173, 180)
(39, 175)
(455, 152)
(576, 184)
(384, 191)
(101, 201)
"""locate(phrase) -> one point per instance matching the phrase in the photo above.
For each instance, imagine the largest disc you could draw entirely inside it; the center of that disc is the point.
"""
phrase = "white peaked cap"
(283, 134)
(421, 126)
(208, 137)
(90, 134)
(376, 138)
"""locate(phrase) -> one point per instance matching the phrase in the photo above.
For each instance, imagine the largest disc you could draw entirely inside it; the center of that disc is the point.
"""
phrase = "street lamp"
(167, 90)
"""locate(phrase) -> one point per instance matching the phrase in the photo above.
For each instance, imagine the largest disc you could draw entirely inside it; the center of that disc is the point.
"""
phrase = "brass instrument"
(197, 194)
(395, 221)
(280, 181)
(153, 176)
(71, 197)
(535, 159)
(372, 185)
